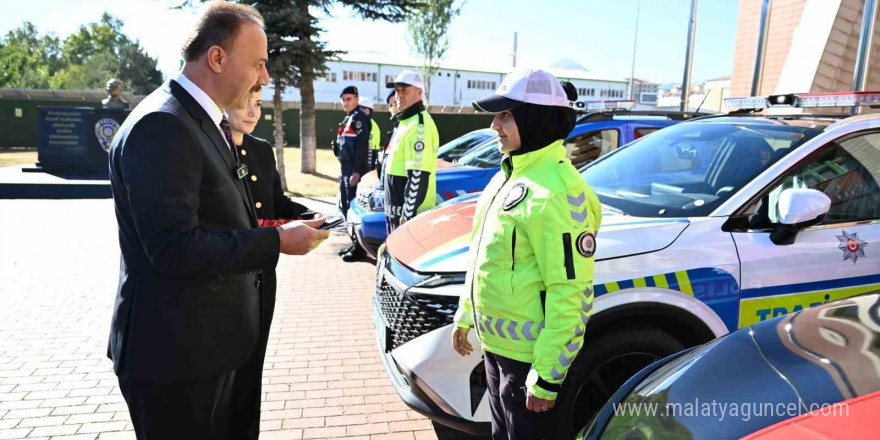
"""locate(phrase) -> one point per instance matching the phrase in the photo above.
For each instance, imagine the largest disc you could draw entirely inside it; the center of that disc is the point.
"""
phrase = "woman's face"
(245, 120)
(508, 133)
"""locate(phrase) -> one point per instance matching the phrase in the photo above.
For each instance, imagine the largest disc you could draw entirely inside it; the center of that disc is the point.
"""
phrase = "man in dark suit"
(187, 311)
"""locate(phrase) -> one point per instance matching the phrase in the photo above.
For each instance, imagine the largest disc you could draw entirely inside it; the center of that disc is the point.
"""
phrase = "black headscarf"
(541, 125)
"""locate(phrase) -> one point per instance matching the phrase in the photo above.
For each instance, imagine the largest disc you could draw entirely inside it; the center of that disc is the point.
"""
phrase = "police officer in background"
(531, 260)
(411, 158)
(352, 141)
(366, 105)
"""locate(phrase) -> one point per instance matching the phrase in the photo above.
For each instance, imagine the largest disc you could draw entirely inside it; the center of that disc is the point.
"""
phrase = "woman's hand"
(460, 342)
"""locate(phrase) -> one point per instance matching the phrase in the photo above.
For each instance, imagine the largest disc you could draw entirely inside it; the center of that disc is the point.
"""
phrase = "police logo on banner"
(105, 130)
(586, 244)
(515, 195)
(420, 146)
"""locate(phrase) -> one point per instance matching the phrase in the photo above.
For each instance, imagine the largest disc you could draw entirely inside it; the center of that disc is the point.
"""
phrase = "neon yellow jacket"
(375, 136)
(531, 265)
(410, 164)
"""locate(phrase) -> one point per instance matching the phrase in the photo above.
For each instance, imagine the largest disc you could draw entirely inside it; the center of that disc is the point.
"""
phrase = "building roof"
(408, 61)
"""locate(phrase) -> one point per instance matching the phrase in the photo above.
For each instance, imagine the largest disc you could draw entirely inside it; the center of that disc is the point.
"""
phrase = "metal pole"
(763, 24)
(632, 70)
(689, 57)
(863, 55)
(514, 49)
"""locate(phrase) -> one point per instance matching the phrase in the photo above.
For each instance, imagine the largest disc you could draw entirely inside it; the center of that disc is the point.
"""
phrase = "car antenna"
(704, 100)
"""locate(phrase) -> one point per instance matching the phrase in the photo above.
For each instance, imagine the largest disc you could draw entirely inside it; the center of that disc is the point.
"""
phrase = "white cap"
(366, 102)
(525, 86)
(409, 78)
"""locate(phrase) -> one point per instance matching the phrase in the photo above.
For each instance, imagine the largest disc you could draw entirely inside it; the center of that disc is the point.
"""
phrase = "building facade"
(450, 86)
(810, 47)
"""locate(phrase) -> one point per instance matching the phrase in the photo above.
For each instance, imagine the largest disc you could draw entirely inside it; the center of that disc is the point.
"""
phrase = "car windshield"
(453, 149)
(689, 169)
(485, 156)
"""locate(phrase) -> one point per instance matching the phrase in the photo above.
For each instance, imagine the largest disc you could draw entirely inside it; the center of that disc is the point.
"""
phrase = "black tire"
(606, 361)
(446, 433)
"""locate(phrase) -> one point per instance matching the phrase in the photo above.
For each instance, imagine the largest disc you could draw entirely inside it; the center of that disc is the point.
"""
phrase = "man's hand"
(354, 179)
(300, 237)
(460, 341)
(537, 404)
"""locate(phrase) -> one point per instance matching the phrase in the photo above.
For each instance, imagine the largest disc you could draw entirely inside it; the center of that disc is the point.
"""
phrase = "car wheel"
(606, 361)
(446, 433)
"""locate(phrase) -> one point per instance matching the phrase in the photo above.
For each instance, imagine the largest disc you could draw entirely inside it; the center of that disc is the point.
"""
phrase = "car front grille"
(410, 316)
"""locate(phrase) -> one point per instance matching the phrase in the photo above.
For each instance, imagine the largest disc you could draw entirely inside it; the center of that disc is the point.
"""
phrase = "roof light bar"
(583, 106)
(806, 100)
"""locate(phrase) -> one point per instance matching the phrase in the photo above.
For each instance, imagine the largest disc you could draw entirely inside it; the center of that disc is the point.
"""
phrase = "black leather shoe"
(356, 254)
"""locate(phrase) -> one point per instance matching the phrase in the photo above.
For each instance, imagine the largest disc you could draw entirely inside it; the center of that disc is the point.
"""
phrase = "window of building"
(328, 77)
(481, 85)
(349, 75)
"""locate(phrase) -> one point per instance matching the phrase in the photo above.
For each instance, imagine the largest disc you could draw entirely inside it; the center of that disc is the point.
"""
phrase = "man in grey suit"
(186, 319)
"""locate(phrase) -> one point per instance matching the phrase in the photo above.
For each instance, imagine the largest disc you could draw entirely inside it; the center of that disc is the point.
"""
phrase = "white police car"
(709, 225)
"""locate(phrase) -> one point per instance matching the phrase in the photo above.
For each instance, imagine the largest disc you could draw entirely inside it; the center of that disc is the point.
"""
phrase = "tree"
(28, 60)
(429, 35)
(294, 58)
(99, 51)
(308, 55)
(85, 60)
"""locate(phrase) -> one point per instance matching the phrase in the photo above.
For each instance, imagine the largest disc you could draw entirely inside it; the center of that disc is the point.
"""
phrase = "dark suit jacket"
(188, 301)
(265, 182)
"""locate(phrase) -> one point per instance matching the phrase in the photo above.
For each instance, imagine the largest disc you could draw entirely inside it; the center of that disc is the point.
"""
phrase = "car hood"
(370, 181)
(796, 363)
(456, 172)
(438, 241)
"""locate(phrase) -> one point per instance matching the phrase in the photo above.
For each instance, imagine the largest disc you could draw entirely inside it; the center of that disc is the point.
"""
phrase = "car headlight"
(377, 200)
(443, 280)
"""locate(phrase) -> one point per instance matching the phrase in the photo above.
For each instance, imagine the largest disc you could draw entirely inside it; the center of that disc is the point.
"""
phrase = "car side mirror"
(798, 208)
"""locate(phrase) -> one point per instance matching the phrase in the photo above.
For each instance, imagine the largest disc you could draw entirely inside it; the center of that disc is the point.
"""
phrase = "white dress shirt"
(205, 101)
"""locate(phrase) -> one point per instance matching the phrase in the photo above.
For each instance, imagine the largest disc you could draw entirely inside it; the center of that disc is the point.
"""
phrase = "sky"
(596, 34)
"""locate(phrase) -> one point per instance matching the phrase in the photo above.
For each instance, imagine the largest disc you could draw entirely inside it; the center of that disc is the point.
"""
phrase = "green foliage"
(28, 60)
(429, 34)
(84, 60)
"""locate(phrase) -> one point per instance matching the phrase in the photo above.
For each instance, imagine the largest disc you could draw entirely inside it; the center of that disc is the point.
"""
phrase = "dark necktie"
(227, 133)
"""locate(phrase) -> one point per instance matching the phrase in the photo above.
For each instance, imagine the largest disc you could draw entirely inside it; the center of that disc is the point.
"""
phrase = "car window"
(689, 169)
(486, 156)
(847, 172)
(455, 148)
(587, 147)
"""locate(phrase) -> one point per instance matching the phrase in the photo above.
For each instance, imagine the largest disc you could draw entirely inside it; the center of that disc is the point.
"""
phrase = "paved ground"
(58, 272)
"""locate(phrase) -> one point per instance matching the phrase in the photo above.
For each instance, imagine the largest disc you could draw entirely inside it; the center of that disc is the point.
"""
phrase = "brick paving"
(59, 263)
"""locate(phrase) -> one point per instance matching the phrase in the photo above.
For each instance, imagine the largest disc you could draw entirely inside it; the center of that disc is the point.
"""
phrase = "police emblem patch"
(357, 124)
(852, 246)
(105, 129)
(586, 244)
(515, 195)
(419, 146)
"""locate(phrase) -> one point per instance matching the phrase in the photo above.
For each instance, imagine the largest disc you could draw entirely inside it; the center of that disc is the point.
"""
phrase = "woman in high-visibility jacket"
(531, 260)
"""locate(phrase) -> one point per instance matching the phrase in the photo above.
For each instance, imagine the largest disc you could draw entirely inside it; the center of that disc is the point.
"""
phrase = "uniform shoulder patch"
(358, 124)
(515, 195)
(586, 244)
